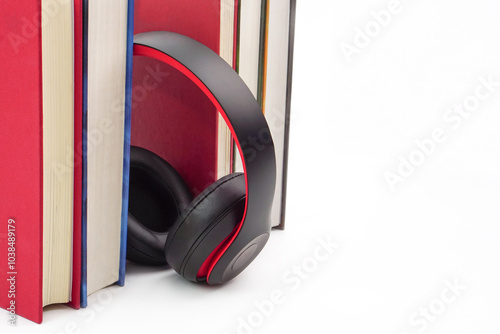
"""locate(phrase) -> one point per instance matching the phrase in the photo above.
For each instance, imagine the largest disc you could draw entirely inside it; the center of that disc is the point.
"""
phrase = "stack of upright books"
(73, 99)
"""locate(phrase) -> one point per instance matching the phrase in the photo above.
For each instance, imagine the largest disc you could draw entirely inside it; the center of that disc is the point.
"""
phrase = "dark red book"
(170, 115)
(78, 155)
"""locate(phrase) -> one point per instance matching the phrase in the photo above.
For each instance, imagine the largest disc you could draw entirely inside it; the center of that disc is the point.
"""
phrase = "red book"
(21, 152)
(30, 123)
(78, 156)
(170, 115)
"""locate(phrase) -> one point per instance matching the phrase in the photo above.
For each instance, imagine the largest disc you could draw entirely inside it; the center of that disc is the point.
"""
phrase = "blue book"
(107, 94)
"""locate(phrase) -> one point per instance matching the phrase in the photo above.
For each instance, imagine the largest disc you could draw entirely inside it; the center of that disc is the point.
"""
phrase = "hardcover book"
(107, 51)
(266, 32)
(38, 233)
(171, 116)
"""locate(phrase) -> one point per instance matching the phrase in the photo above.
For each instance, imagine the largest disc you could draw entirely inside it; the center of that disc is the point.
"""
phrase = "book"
(251, 47)
(278, 93)
(265, 63)
(77, 152)
(37, 171)
(171, 116)
(107, 69)
(252, 25)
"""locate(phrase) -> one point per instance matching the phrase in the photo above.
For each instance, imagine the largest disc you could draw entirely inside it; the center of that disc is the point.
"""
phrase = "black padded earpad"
(205, 224)
(158, 195)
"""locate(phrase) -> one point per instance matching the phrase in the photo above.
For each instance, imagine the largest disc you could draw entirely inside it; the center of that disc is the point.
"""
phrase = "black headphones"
(214, 237)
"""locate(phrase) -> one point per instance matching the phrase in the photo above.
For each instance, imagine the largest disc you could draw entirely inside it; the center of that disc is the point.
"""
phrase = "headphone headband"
(227, 91)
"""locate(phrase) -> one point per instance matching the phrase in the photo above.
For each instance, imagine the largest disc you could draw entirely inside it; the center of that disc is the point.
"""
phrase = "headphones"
(214, 237)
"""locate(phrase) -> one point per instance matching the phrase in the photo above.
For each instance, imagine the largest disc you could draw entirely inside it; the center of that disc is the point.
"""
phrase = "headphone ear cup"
(207, 223)
(143, 245)
(157, 197)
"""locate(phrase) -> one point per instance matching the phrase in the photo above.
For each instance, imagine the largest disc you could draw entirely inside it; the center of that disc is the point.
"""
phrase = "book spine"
(291, 43)
(84, 153)
(264, 24)
(78, 158)
(127, 136)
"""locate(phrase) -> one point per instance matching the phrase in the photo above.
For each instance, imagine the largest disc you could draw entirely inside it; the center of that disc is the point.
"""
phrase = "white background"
(396, 249)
